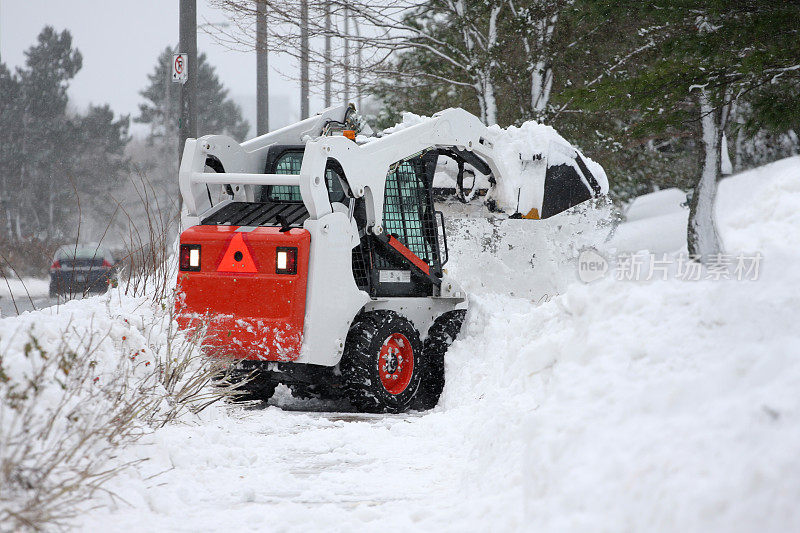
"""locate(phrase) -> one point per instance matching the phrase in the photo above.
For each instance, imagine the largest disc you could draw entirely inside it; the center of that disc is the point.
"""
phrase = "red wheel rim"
(396, 363)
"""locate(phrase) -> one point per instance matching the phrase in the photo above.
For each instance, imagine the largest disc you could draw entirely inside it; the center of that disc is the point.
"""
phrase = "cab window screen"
(289, 163)
(405, 201)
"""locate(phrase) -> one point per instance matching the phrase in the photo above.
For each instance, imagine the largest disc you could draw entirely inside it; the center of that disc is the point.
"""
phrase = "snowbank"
(667, 405)
(664, 202)
(78, 382)
(758, 208)
(656, 234)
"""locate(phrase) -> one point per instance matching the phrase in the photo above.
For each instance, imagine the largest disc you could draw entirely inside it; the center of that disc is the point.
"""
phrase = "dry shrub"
(66, 409)
(148, 242)
(27, 258)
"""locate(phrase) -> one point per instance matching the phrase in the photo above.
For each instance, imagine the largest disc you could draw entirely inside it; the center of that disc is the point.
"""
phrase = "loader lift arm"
(365, 166)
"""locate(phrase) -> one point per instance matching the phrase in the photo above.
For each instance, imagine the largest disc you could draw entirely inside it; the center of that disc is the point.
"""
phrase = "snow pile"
(408, 119)
(757, 207)
(760, 209)
(665, 405)
(663, 202)
(76, 382)
(655, 222)
(524, 153)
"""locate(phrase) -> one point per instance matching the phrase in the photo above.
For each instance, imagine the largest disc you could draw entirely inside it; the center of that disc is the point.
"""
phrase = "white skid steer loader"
(317, 261)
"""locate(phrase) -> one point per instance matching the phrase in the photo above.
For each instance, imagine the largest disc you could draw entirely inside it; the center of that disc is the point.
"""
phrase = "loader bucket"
(567, 185)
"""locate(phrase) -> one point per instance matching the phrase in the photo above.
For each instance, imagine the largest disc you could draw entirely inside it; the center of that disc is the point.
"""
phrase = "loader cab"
(409, 217)
(287, 160)
(278, 205)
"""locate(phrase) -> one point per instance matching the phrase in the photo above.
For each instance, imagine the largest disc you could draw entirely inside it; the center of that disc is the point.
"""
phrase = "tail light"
(107, 264)
(190, 257)
(286, 260)
(56, 265)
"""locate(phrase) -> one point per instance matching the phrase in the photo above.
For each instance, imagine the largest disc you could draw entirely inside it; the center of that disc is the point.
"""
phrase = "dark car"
(81, 269)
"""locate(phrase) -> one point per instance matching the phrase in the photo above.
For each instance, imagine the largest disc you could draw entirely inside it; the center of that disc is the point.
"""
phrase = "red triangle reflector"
(237, 257)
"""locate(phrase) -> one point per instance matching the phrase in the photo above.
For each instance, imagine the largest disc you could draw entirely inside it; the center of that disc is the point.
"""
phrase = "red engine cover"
(250, 311)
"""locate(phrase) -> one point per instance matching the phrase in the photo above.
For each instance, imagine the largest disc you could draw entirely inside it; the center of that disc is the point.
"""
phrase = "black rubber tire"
(262, 394)
(441, 335)
(256, 389)
(312, 392)
(359, 365)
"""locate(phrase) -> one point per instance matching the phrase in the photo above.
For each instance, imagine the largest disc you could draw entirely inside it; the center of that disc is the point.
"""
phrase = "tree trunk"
(725, 165)
(489, 101)
(481, 101)
(18, 228)
(542, 74)
(487, 81)
(359, 69)
(304, 59)
(702, 236)
(327, 56)
(346, 58)
(262, 70)
(541, 83)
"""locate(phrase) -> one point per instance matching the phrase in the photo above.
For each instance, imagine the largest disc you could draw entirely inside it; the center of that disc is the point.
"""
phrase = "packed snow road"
(276, 470)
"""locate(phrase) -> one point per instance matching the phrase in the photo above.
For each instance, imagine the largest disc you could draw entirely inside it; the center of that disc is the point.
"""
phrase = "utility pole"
(327, 53)
(187, 123)
(346, 56)
(303, 59)
(262, 70)
(359, 71)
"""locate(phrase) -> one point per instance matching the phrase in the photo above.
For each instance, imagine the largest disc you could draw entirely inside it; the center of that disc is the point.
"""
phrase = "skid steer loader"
(317, 261)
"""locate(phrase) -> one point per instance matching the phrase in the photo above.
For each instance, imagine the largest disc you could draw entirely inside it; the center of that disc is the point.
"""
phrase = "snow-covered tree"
(459, 45)
(694, 60)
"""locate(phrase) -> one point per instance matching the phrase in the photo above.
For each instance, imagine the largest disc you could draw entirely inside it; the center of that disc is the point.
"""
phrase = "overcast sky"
(120, 41)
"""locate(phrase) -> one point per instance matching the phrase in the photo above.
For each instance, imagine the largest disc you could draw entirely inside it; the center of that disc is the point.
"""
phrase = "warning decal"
(237, 257)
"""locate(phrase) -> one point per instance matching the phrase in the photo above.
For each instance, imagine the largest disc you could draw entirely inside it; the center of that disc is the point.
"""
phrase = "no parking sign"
(180, 68)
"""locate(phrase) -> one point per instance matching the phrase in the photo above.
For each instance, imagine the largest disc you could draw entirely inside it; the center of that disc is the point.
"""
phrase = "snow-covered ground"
(32, 287)
(18, 296)
(614, 406)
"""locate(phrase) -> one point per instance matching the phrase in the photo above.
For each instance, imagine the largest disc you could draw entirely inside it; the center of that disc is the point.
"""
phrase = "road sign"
(180, 68)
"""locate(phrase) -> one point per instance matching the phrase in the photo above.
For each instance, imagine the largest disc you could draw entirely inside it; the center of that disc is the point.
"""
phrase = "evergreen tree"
(11, 108)
(46, 154)
(216, 112)
(102, 162)
(45, 134)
